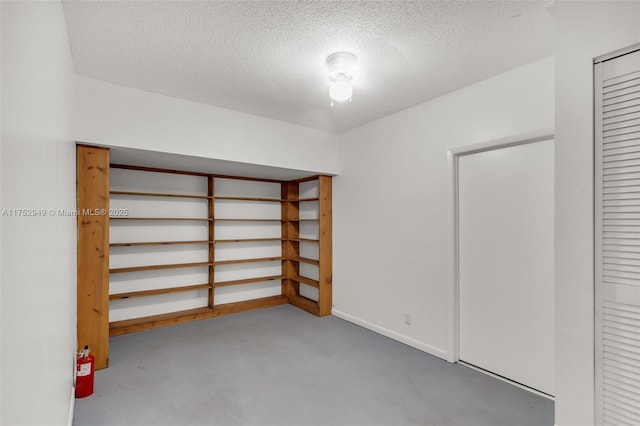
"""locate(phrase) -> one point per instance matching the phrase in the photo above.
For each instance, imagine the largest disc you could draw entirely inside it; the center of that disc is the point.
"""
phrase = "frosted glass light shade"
(340, 91)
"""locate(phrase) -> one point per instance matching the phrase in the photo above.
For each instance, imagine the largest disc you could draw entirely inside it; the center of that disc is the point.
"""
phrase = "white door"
(617, 238)
(506, 262)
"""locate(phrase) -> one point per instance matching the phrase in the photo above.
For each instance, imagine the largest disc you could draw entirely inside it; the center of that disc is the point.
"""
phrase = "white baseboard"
(432, 350)
(72, 406)
(511, 382)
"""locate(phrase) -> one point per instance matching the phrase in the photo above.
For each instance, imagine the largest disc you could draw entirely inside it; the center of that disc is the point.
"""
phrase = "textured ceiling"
(268, 57)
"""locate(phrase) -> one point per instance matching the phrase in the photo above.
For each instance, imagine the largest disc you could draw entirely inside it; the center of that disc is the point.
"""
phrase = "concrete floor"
(282, 366)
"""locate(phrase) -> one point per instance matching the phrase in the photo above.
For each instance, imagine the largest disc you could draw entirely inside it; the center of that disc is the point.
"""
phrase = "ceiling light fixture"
(341, 66)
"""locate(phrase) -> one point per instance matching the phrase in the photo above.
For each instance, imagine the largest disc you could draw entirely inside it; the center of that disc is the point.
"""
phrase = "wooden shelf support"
(266, 200)
(162, 218)
(157, 243)
(290, 211)
(305, 280)
(305, 304)
(158, 194)
(305, 260)
(212, 237)
(246, 220)
(248, 281)
(156, 267)
(252, 260)
(118, 328)
(325, 228)
(92, 167)
(248, 240)
(158, 291)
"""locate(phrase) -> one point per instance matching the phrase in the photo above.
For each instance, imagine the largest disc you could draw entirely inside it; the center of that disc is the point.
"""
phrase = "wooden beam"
(305, 280)
(146, 323)
(158, 291)
(92, 167)
(212, 238)
(157, 267)
(250, 260)
(309, 178)
(248, 280)
(290, 249)
(118, 328)
(245, 240)
(325, 227)
(158, 243)
(183, 172)
(158, 194)
(248, 305)
(163, 219)
(157, 170)
(305, 304)
(257, 199)
(306, 260)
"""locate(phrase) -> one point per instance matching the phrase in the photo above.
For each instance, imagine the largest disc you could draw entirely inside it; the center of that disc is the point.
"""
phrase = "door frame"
(453, 293)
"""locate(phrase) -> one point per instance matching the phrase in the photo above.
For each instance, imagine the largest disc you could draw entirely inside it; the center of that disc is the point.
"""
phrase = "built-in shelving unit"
(183, 246)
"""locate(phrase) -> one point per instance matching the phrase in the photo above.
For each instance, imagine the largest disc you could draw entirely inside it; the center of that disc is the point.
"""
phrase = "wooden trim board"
(92, 193)
(147, 323)
(325, 281)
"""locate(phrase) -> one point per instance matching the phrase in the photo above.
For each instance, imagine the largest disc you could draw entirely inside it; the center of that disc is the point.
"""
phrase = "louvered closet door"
(617, 215)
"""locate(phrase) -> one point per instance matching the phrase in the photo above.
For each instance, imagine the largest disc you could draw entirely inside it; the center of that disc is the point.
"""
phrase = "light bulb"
(340, 66)
(340, 91)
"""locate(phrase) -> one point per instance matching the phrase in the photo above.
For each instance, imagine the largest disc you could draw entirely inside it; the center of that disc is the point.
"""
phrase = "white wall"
(584, 30)
(38, 253)
(114, 115)
(391, 200)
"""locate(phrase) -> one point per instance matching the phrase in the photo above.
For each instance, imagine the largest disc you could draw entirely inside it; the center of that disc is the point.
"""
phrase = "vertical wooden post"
(325, 212)
(212, 237)
(290, 230)
(92, 166)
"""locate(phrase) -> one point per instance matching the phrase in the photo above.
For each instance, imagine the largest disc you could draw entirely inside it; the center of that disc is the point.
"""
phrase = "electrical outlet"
(407, 319)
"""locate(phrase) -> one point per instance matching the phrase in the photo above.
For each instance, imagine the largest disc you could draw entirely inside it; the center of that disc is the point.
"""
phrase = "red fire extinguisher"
(84, 373)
